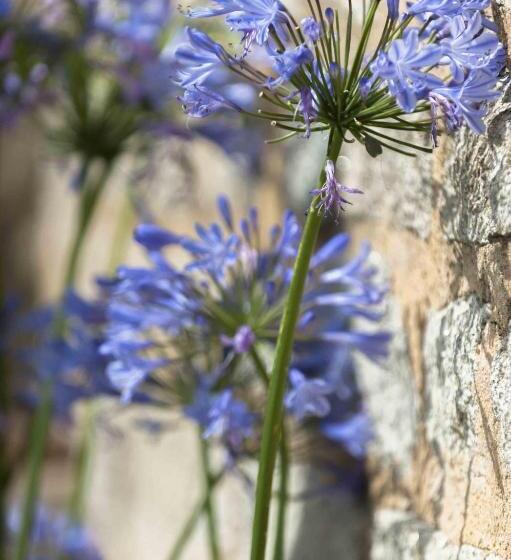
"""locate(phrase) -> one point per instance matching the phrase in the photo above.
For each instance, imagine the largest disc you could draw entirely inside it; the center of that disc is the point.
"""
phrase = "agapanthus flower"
(322, 80)
(307, 397)
(253, 18)
(70, 360)
(205, 320)
(331, 199)
(54, 535)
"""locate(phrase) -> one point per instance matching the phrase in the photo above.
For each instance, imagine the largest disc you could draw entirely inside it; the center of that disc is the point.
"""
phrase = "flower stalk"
(272, 427)
(209, 506)
(42, 420)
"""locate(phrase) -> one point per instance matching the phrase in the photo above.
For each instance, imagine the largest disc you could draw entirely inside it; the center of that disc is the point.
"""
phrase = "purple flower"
(5, 8)
(54, 535)
(469, 46)
(153, 237)
(353, 433)
(311, 29)
(200, 102)
(288, 63)
(307, 397)
(440, 8)
(222, 415)
(143, 21)
(469, 96)
(197, 59)
(402, 69)
(242, 341)
(306, 108)
(331, 193)
(253, 18)
(393, 8)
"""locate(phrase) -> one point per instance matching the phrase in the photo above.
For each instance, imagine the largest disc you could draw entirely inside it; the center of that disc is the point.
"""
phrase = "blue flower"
(311, 29)
(197, 59)
(5, 8)
(354, 433)
(307, 109)
(307, 397)
(402, 69)
(450, 8)
(469, 46)
(393, 8)
(143, 21)
(288, 63)
(200, 101)
(253, 18)
(54, 535)
(222, 416)
(242, 341)
(469, 96)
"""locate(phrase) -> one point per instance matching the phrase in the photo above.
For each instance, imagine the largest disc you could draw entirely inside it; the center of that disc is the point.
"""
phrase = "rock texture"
(440, 462)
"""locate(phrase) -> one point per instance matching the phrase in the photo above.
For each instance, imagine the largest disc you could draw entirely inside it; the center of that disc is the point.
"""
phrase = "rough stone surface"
(403, 536)
(445, 238)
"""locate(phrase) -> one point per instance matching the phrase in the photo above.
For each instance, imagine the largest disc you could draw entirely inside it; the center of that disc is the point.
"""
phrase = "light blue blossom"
(307, 397)
(253, 18)
(470, 46)
(288, 63)
(469, 96)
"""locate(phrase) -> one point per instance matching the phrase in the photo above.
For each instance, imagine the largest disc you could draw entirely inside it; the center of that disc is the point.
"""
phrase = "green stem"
(278, 380)
(90, 196)
(280, 535)
(209, 478)
(191, 523)
(41, 424)
(83, 462)
(37, 446)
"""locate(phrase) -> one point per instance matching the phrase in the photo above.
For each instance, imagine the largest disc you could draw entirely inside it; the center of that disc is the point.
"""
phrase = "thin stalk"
(41, 423)
(191, 523)
(272, 426)
(214, 549)
(89, 199)
(77, 506)
(283, 498)
(39, 435)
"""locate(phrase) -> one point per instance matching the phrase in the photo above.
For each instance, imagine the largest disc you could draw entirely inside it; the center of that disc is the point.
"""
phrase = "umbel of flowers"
(198, 337)
(435, 62)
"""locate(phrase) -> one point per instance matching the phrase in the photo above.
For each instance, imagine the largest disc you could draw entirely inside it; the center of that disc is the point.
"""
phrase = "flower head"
(317, 86)
(331, 193)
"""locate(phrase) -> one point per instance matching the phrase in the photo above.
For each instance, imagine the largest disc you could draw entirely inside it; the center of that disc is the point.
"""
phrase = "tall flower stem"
(37, 444)
(280, 534)
(193, 519)
(272, 426)
(77, 505)
(41, 424)
(209, 506)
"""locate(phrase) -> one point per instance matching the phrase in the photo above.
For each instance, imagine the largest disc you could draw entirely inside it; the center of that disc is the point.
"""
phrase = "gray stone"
(501, 395)
(402, 536)
(476, 198)
(450, 345)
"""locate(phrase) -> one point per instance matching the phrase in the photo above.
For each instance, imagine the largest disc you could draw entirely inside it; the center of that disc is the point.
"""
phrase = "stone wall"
(441, 460)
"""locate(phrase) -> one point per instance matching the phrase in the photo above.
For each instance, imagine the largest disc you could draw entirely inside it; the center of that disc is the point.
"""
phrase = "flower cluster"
(196, 337)
(69, 357)
(104, 68)
(437, 58)
(54, 536)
